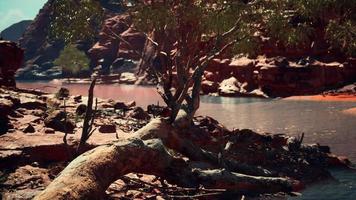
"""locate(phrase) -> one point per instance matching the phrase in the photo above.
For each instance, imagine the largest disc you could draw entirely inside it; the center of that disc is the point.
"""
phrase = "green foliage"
(301, 22)
(290, 23)
(343, 36)
(74, 20)
(73, 61)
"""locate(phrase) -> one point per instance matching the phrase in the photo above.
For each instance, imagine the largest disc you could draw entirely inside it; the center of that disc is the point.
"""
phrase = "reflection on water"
(142, 95)
(320, 121)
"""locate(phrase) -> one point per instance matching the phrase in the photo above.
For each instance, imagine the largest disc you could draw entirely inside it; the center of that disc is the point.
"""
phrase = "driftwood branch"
(88, 119)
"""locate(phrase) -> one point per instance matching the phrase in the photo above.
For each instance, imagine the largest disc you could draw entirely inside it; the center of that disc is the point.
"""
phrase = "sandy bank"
(351, 111)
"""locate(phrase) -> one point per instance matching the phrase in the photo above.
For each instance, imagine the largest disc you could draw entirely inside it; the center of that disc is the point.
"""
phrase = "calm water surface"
(322, 122)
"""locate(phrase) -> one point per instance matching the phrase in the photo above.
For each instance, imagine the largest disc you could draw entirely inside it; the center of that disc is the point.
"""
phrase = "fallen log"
(90, 174)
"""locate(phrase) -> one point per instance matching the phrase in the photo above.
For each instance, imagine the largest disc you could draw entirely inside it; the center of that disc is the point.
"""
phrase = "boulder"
(77, 98)
(139, 113)
(49, 131)
(11, 59)
(157, 110)
(29, 129)
(208, 87)
(128, 78)
(121, 106)
(81, 109)
(229, 87)
(56, 121)
(107, 128)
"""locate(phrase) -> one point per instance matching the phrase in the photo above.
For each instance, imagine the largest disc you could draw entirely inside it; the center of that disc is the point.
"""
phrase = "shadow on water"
(342, 189)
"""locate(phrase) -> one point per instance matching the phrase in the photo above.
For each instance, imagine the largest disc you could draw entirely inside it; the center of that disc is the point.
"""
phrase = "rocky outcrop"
(117, 43)
(133, 45)
(11, 59)
(15, 31)
(276, 76)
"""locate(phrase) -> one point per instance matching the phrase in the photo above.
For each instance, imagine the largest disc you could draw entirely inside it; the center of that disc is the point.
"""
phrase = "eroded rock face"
(110, 47)
(11, 59)
(276, 76)
(134, 47)
(105, 50)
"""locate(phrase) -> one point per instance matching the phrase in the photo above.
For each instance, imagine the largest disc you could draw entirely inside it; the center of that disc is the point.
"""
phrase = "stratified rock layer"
(276, 76)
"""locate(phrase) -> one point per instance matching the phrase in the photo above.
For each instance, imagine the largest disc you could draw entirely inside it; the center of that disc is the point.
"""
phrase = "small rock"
(37, 113)
(56, 120)
(107, 128)
(120, 106)
(139, 113)
(229, 87)
(29, 129)
(128, 78)
(49, 131)
(78, 98)
(81, 109)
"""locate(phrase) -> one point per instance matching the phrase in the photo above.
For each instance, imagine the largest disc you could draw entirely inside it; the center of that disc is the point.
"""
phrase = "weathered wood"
(88, 119)
(89, 175)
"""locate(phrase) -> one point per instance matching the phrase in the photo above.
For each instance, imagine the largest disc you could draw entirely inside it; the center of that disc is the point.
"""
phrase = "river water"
(322, 122)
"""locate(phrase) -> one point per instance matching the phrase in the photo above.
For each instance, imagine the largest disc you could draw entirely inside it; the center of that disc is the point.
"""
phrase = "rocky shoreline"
(32, 151)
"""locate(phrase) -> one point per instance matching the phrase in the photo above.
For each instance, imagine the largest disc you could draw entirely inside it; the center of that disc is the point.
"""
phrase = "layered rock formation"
(276, 76)
(11, 59)
(117, 43)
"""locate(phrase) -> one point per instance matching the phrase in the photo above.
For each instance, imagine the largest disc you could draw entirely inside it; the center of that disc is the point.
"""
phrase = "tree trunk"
(89, 175)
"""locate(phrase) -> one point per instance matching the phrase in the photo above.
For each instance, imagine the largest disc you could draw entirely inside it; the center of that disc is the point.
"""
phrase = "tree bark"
(89, 175)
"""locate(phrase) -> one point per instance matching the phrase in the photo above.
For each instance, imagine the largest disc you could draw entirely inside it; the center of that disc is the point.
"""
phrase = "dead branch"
(88, 119)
